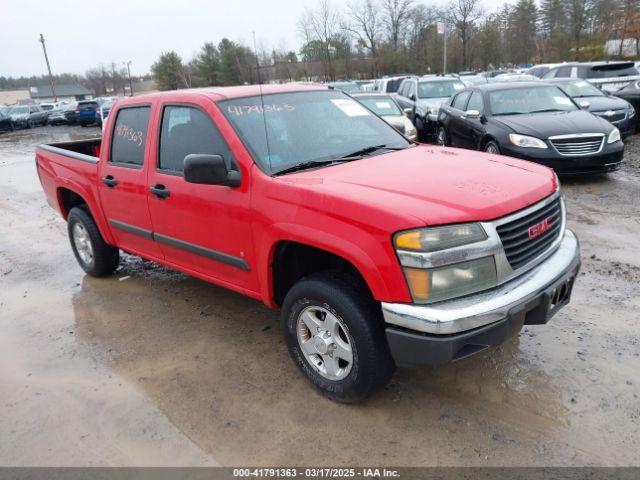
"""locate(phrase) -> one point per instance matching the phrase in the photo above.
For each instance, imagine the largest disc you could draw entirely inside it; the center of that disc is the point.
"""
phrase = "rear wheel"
(492, 147)
(92, 253)
(335, 335)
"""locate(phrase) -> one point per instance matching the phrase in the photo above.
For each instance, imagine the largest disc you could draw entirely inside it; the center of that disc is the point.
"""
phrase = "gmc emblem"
(539, 228)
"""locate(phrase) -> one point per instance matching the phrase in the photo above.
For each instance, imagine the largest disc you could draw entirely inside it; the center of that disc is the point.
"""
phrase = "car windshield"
(288, 129)
(19, 110)
(380, 105)
(581, 89)
(347, 87)
(4, 110)
(529, 100)
(440, 89)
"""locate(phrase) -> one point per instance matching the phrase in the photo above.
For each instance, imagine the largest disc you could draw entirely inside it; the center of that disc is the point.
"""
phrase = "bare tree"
(396, 18)
(365, 23)
(321, 26)
(464, 14)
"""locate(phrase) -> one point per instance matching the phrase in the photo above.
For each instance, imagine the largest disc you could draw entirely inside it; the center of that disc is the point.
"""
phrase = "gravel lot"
(151, 367)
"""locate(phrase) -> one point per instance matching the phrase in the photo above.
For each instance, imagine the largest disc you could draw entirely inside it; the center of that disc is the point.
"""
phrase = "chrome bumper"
(467, 313)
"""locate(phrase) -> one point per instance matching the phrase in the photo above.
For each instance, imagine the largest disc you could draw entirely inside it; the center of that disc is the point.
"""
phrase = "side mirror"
(584, 105)
(209, 170)
(408, 111)
(413, 97)
(472, 114)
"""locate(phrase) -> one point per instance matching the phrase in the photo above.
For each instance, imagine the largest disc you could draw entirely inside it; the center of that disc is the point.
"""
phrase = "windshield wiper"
(312, 164)
(367, 150)
(544, 110)
(507, 113)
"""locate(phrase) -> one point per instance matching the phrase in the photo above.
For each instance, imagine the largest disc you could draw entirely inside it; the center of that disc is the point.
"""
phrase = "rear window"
(130, 135)
(380, 105)
(393, 85)
(87, 105)
(611, 70)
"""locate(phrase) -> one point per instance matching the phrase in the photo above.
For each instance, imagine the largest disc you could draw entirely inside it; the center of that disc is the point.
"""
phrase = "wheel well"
(68, 200)
(293, 261)
(486, 139)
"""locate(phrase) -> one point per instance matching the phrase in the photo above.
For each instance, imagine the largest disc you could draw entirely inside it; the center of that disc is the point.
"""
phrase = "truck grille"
(578, 145)
(613, 116)
(527, 237)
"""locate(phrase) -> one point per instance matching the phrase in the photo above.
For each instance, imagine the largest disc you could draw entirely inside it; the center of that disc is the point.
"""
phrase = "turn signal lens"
(419, 283)
(440, 238)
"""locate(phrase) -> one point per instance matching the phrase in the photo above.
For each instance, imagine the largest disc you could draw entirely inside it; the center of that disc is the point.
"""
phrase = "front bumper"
(454, 329)
(607, 160)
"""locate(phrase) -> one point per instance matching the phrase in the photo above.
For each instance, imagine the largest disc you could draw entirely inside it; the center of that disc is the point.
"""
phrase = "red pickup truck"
(379, 252)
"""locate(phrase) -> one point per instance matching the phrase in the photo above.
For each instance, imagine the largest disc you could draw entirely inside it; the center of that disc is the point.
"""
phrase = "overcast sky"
(81, 34)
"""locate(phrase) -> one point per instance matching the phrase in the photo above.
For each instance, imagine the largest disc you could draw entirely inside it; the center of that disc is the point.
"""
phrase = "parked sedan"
(28, 116)
(631, 93)
(616, 110)
(532, 121)
(6, 124)
(386, 107)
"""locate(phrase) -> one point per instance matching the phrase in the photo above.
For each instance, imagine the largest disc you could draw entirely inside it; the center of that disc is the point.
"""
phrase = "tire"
(97, 259)
(420, 128)
(337, 304)
(442, 137)
(83, 124)
(30, 124)
(492, 147)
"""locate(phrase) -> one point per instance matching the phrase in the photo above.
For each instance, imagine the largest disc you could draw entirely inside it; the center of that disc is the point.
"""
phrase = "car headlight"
(409, 129)
(439, 238)
(434, 110)
(632, 111)
(526, 141)
(614, 136)
(435, 284)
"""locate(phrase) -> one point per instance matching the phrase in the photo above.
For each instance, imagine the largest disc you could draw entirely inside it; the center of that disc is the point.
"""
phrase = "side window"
(475, 102)
(461, 100)
(412, 89)
(563, 72)
(186, 130)
(402, 88)
(130, 135)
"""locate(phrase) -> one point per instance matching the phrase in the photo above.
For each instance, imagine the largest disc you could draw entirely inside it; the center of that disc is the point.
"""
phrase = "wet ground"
(151, 367)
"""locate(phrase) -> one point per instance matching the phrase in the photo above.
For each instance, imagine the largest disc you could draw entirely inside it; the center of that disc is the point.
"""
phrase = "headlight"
(439, 238)
(614, 136)
(632, 111)
(432, 285)
(526, 141)
(409, 129)
(434, 110)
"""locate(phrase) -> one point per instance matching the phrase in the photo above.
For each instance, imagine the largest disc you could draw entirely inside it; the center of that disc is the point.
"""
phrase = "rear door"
(203, 228)
(123, 183)
(472, 128)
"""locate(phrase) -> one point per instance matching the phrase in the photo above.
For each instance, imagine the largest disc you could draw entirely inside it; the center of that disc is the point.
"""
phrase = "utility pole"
(444, 37)
(129, 75)
(46, 58)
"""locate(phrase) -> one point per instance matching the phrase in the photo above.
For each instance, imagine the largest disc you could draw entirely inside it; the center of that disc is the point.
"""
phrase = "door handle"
(159, 191)
(109, 181)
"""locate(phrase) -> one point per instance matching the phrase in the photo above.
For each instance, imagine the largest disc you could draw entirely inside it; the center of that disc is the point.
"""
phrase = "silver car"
(388, 109)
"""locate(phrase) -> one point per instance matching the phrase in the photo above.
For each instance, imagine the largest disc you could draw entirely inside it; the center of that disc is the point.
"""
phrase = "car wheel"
(492, 147)
(443, 137)
(335, 334)
(30, 124)
(94, 255)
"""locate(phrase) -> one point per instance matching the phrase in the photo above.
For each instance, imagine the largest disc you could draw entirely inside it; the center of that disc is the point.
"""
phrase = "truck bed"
(70, 166)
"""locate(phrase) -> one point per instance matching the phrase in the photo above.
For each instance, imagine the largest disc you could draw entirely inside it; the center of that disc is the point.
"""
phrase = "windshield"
(380, 105)
(19, 110)
(581, 89)
(306, 126)
(439, 89)
(529, 100)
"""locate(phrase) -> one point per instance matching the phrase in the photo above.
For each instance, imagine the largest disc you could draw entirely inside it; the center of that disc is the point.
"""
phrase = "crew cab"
(379, 252)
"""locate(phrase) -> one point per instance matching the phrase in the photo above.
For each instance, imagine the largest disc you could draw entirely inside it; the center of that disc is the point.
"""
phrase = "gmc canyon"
(378, 251)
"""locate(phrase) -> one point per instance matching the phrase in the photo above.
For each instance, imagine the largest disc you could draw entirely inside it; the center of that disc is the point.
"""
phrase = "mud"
(153, 367)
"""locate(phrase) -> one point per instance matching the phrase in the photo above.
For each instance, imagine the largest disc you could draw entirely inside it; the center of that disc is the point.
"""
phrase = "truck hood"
(423, 185)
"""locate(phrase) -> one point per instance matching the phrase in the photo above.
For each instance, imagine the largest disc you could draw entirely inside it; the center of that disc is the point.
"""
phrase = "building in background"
(68, 92)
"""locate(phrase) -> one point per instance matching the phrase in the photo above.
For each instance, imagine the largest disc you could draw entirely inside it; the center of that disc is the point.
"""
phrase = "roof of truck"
(223, 93)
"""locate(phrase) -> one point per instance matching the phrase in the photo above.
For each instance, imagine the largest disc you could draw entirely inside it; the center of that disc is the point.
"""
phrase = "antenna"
(264, 118)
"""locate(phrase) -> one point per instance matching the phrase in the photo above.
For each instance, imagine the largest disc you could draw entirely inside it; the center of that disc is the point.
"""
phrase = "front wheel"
(96, 257)
(492, 147)
(442, 137)
(335, 335)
